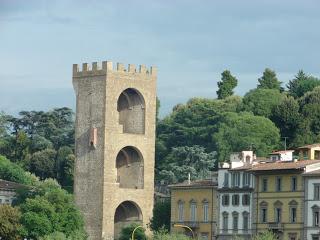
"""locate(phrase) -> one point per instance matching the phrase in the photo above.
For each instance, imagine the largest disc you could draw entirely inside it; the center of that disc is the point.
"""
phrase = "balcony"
(190, 224)
(275, 226)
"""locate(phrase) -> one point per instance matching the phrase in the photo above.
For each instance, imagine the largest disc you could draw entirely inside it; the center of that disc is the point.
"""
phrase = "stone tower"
(115, 142)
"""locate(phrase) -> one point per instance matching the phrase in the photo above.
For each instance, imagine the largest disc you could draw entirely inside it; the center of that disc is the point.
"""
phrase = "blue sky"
(191, 43)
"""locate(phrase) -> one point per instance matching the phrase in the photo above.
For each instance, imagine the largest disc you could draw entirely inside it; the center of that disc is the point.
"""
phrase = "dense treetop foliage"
(40, 142)
(226, 85)
(42, 207)
(194, 136)
(216, 127)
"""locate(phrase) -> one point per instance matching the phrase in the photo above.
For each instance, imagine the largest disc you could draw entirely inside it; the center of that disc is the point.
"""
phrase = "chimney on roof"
(189, 178)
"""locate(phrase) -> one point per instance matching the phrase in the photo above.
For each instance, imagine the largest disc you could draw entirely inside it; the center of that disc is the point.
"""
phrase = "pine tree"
(226, 85)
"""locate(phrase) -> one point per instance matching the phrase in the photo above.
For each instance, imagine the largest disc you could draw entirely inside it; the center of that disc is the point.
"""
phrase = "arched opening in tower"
(131, 108)
(129, 165)
(127, 212)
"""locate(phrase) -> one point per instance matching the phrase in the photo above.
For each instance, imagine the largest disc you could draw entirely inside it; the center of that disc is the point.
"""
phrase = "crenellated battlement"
(106, 66)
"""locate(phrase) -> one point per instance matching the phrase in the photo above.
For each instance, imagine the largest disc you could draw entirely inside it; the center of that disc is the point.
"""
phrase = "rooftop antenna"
(285, 143)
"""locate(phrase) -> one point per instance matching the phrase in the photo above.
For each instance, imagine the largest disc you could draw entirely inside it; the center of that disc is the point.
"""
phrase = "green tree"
(226, 85)
(54, 236)
(39, 143)
(126, 232)
(262, 101)
(161, 216)
(158, 104)
(269, 80)
(163, 234)
(301, 84)
(43, 163)
(237, 132)
(184, 160)
(10, 226)
(12, 172)
(267, 235)
(64, 165)
(38, 217)
(309, 128)
(50, 209)
(287, 118)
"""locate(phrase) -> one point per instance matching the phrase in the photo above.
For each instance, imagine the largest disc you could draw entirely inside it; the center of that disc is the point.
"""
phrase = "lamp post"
(184, 226)
(132, 236)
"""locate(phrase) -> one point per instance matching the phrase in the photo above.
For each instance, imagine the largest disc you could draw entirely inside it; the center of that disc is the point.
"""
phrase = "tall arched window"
(131, 108)
(129, 165)
(127, 212)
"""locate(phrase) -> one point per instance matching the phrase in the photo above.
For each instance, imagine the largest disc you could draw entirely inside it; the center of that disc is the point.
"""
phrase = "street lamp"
(184, 226)
(132, 236)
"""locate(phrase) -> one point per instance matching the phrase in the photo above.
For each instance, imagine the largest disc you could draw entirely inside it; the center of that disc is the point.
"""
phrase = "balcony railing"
(191, 224)
(275, 226)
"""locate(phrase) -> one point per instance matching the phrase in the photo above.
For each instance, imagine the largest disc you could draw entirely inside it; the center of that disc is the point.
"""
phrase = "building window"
(226, 180)
(225, 200)
(278, 184)
(277, 214)
(245, 221)
(264, 184)
(235, 179)
(316, 215)
(293, 211)
(205, 212)
(246, 179)
(193, 211)
(235, 200)
(315, 237)
(263, 212)
(225, 221)
(180, 211)
(294, 184)
(235, 221)
(316, 191)
(245, 199)
(264, 215)
(204, 236)
(293, 214)
(292, 236)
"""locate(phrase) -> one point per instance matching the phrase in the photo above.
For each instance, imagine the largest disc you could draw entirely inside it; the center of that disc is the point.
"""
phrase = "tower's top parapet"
(107, 66)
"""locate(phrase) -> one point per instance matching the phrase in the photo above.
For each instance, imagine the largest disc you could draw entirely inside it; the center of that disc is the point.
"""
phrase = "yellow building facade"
(279, 198)
(194, 209)
(311, 151)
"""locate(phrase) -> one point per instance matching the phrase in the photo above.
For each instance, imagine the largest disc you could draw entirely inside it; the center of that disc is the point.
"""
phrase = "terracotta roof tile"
(197, 183)
(9, 185)
(283, 165)
(310, 145)
(281, 151)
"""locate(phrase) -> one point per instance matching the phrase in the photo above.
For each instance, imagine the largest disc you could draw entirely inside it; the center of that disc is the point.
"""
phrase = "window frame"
(264, 186)
(294, 183)
(180, 211)
(234, 197)
(223, 199)
(225, 221)
(206, 212)
(316, 216)
(245, 221)
(316, 191)
(193, 211)
(278, 184)
(244, 203)
(293, 209)
(235, 224)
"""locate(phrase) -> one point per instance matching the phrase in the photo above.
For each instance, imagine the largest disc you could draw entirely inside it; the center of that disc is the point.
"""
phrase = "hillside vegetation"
(191, 139)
